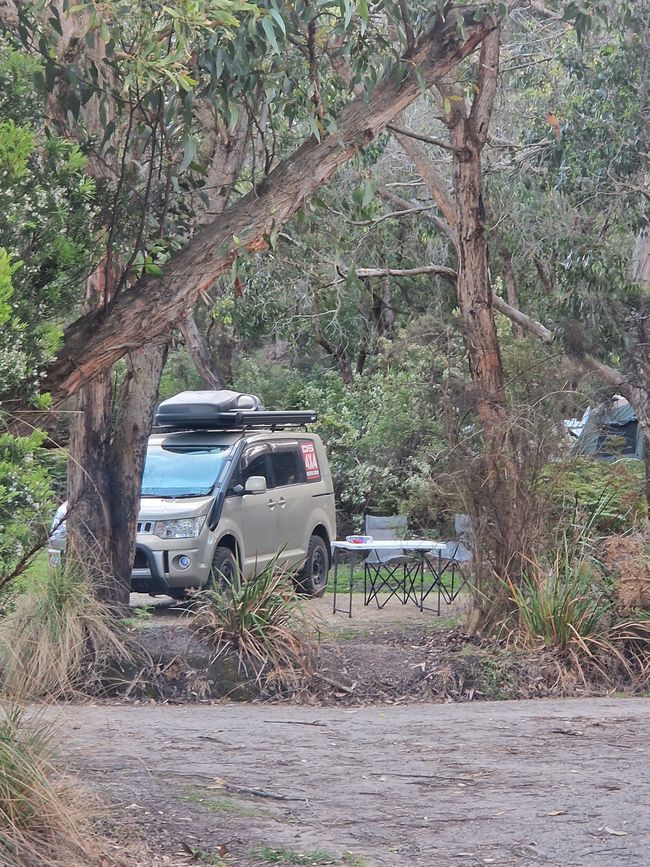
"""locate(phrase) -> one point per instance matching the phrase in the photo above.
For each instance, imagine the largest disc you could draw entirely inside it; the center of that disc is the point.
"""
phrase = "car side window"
(288, 466)
(254, 462)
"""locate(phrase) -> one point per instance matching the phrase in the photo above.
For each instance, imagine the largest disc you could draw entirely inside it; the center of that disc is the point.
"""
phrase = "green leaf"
(267, 26)
(363, 14)
(275, 14)
(153, 269)
(369, 190)
(189, 151)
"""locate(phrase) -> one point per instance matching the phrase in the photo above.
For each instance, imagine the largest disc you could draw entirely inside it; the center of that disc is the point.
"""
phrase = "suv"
(227, 488)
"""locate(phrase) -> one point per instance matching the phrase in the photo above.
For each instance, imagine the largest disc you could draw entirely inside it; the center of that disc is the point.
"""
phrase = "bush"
(614, 489)
(59, 638)
(42, 823)
(25, 495)
(264, 622)
(565, 608)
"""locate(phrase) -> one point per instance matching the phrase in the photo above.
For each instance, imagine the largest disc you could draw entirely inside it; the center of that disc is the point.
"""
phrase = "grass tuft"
(263, 620)
(289, 856)
(42, 823)
(59, 638)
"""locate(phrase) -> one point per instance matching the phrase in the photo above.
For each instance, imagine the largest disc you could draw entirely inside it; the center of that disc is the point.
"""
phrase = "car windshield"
(182, 470)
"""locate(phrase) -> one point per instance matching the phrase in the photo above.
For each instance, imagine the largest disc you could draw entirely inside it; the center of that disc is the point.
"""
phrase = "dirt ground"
(511, 783)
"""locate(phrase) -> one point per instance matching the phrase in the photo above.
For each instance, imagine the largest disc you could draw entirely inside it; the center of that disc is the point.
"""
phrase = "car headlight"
(181, 528)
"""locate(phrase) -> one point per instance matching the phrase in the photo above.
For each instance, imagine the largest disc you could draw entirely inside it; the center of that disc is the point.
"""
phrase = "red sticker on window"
(311, 461)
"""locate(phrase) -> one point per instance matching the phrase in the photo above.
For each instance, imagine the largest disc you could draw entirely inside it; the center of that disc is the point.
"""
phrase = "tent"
(608, 432)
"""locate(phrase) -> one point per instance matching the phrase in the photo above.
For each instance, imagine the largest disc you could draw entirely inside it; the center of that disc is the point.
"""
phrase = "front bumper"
(158, 570)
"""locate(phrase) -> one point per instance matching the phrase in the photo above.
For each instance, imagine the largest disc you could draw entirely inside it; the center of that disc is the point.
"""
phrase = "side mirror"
(237, 490)
(255, 485)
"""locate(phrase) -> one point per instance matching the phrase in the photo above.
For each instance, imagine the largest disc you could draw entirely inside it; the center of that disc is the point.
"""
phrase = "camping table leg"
(436, 585)
(350, 581)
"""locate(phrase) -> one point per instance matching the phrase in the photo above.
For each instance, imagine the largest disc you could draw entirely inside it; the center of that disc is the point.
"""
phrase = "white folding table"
(412, 589)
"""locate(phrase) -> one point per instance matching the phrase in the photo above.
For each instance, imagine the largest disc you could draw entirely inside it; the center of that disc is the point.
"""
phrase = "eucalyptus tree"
(465, 101)
(135, 84)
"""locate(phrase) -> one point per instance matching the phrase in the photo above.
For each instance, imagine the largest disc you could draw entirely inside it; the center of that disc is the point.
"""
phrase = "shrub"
(263, 620)
(614, 489)
(41, 821)
(564, 607)
(59, 638)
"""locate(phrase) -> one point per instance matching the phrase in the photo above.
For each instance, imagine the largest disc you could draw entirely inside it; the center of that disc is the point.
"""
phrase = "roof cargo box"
(223, 410)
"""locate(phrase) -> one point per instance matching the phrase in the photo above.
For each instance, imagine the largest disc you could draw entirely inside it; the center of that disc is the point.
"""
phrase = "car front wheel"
(224, 571)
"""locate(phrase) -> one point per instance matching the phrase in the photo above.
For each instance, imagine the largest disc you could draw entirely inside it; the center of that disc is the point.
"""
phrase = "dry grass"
(626, 556)
(265, 623)
(44, 821)
(59, 639)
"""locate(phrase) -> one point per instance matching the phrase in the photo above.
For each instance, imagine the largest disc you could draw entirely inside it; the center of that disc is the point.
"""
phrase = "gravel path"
(516, 783)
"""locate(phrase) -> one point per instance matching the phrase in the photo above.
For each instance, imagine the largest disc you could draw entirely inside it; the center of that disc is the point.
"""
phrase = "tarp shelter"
(610, 432)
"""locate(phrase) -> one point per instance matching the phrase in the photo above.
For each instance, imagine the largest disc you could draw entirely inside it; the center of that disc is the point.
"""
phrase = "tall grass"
(568, 604)
(264, 621)
(58, 638)
(563, 606)
(42, 822)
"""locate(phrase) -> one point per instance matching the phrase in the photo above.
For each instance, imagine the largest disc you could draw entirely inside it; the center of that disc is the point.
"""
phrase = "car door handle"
(282, 502)
(272, 504)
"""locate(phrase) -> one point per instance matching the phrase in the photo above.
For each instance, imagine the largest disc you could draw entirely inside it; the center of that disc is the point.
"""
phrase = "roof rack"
(238, 420)
(224, 410)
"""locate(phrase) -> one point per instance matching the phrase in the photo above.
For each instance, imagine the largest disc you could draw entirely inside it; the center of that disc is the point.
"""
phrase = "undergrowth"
(568, 605)
(264, 622)
(44, 821)
(59, 638)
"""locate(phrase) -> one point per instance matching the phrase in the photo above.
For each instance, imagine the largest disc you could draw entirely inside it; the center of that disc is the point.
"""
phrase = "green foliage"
(16, 146)
(264, 622)
(268, 855)
(383, 436)
(45, 230)
(7, 270)
(25, 496)
(612, 491)
(59, 638)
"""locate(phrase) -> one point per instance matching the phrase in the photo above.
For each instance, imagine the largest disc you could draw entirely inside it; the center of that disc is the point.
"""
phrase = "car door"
(256, 514)
(293, 506)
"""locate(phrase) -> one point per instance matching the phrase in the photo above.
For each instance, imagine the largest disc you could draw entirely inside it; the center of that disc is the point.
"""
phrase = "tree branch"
(442, 270)
(154, 305)
(609, 374)
(427, 139)
(522, 319)
(412, 205)
(434, 181)
(200, 354)
(486, 86)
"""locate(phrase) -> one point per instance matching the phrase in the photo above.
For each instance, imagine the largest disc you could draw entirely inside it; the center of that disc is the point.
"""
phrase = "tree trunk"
(153, 306)
(200, 354)
(105, 471)
(500, 517)
(90, 486)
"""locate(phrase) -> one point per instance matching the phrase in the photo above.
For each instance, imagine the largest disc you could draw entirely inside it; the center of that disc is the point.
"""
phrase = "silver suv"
(227, 488)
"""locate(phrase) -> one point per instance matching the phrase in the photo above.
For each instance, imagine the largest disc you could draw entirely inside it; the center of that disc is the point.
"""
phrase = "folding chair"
(449, 562)
(389, 570)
